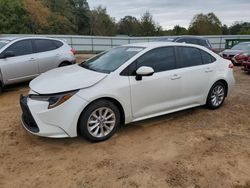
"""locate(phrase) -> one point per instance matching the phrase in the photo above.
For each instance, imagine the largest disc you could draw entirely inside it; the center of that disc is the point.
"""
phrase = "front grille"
(27, 117)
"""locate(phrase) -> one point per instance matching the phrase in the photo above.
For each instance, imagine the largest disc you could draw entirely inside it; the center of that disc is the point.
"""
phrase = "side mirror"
(144, 71)
(7, 54)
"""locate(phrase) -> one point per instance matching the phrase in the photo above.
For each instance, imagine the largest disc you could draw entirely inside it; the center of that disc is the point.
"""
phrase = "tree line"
(75, 17)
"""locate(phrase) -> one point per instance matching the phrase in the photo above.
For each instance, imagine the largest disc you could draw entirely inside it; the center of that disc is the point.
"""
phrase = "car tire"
(63, 64)
(99, 121)
(216, 96)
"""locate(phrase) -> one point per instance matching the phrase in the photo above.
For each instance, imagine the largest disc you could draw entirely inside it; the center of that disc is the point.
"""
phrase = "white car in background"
(22, 59)
(123, 85)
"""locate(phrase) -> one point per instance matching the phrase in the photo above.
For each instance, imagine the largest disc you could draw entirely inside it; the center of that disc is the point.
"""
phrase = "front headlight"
(53, 100)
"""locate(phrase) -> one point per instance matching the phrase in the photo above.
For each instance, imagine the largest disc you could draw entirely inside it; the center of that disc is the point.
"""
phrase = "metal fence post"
(220, 42)
(92, 44)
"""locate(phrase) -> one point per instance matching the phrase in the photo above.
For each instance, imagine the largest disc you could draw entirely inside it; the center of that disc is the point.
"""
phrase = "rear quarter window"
(206, 57)
(204, 43)
(57, 43)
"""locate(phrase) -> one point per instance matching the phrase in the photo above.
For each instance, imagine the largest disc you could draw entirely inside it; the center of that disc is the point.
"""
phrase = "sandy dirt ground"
(194, 148)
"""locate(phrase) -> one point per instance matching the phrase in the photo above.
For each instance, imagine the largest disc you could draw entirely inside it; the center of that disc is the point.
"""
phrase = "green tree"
(14, 18)
(147, 26)
(225, 30)
(240, 28)
(101, 23)
(178, 30)
(129, 25)
(82, 16)
(205, 24)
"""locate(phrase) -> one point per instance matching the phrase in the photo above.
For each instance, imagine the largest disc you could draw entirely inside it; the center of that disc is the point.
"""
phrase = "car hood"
(232, 52)
(65, 79)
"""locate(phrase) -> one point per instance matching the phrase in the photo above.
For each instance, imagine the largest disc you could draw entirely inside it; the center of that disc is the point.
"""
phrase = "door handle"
(175, 77)
(208, 70)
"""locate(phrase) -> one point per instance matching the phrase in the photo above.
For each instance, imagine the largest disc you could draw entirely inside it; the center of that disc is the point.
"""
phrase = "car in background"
(246, 65)
(188, 39)
(122, 85)
(240, 58)
(240, 48)
(22, 59)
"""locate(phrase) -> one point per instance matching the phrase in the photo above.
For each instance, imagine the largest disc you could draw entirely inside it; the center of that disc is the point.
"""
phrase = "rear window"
(207, 58)
(44, 45)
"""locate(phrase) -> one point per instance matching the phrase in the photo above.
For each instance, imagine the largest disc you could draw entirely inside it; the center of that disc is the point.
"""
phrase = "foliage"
(129, 25)
(205, 24)
(101, 23)
(147, 25)
(240, 28)
(14, 18)
(178, 30)
(75, 17)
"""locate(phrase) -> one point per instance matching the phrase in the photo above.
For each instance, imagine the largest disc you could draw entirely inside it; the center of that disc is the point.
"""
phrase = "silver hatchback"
(22, 59)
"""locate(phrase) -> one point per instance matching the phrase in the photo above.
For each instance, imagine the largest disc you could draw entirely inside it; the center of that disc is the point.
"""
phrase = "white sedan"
(123, 85)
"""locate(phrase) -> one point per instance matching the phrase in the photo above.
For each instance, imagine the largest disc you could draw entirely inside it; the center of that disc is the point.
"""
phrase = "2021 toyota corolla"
(123, 85)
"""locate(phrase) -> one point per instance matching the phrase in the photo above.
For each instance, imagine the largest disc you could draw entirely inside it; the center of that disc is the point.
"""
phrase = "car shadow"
(123, 130)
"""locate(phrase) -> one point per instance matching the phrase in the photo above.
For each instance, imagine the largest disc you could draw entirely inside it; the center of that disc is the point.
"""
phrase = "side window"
(188, 57)
(44, 45)
(160, 59)
(207, 58)
(20, 48)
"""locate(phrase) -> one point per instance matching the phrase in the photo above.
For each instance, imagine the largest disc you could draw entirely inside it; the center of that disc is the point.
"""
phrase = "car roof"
(28, 37)
(8, 38)
(183, 36)
(160, 44)
(244, 43)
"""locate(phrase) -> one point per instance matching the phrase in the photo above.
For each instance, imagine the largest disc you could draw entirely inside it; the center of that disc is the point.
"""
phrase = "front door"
(157, 93)
(22, 66)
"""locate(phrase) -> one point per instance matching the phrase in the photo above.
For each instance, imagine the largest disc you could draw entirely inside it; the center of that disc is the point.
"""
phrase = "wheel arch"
(225, 84)
(66, 62)
(114, 101)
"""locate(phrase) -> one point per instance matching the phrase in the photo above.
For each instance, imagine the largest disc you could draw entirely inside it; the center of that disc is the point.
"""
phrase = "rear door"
(22, 66)
(47, 54)
(196, 75)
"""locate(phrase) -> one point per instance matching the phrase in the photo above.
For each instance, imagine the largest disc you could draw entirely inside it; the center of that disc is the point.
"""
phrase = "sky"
(169, 13)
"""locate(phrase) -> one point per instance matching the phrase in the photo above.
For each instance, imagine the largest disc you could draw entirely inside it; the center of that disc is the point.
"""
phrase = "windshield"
(110, 60)
(242, 46)
(3, 43)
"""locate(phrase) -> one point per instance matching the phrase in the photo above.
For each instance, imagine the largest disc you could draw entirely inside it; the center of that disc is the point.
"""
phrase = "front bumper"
(58, 122)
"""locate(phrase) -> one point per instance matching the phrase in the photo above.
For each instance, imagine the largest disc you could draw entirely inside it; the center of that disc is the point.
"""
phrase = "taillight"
(73, 51)
(231, 66)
